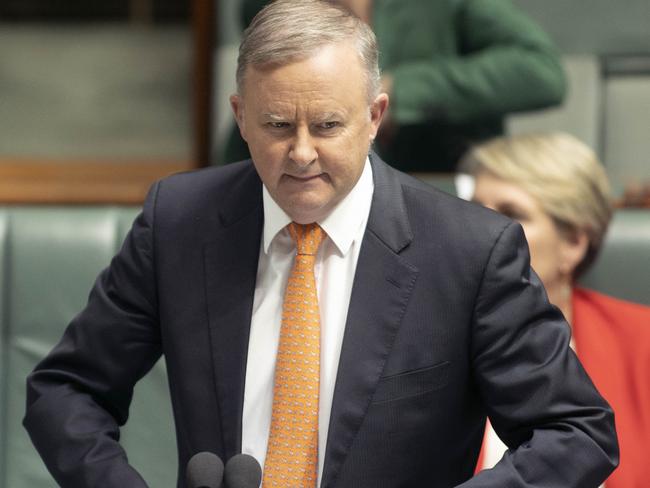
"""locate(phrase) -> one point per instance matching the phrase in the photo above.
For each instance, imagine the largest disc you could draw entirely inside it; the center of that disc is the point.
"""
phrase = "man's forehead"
(269, 66)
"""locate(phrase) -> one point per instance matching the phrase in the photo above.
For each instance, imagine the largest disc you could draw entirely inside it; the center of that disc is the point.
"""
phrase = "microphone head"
(204, 470)
(243, 471)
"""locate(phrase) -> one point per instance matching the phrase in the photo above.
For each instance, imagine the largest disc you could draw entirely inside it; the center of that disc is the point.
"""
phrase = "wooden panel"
(81, 182)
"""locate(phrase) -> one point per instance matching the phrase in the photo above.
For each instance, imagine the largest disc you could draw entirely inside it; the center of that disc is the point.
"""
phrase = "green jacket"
(459, 66)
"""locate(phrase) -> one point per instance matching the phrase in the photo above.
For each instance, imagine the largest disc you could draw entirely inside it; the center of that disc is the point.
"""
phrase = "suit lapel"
(382, 287)
(230, 271)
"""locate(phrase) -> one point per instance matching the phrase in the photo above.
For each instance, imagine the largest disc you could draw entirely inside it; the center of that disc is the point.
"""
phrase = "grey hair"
(291, 30)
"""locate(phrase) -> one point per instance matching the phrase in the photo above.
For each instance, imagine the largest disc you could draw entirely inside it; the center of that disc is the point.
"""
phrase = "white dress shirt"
(335, 267)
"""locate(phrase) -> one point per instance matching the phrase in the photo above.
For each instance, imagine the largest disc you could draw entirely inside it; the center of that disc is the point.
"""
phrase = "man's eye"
(278, 125)
(329, 125)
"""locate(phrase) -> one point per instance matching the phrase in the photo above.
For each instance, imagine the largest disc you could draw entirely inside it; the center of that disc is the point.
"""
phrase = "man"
(426, 316)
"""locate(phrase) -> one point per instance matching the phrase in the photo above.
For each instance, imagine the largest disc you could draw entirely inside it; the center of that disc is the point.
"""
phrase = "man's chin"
(307, 210)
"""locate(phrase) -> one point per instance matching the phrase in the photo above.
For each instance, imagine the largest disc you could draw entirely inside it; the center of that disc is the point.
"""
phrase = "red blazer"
(612, 340)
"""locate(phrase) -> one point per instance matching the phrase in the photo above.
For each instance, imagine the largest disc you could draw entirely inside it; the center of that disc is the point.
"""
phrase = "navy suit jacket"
(446, 324)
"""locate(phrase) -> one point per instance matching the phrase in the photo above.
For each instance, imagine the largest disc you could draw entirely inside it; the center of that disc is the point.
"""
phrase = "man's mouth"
(305, 178)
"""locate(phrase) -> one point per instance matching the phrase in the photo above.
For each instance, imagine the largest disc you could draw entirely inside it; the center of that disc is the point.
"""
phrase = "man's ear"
(574, 248)
(237, 106)
(377, 111)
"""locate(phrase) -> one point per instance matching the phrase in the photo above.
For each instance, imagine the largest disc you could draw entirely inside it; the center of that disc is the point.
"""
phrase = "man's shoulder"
(216, 182)
(437, 221)
(214, 190)
(428, 204)
(209, 178)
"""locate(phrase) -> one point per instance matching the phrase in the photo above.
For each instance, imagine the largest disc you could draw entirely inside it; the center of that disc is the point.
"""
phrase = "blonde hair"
(289, 30)
(560, 172)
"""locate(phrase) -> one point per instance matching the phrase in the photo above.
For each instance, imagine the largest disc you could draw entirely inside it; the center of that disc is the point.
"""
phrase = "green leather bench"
(49, 258)
(623, 267)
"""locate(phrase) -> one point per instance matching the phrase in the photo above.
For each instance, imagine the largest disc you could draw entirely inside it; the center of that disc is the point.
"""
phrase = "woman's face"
(548, 246)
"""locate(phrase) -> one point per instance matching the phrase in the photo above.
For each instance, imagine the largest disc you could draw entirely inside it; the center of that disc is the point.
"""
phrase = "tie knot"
(307, 237)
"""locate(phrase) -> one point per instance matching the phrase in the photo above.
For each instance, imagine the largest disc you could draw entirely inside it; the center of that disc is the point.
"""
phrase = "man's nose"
(302, 150)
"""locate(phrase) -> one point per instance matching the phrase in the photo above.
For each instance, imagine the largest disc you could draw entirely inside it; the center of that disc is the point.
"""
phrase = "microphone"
(243, 471)
(204, 470)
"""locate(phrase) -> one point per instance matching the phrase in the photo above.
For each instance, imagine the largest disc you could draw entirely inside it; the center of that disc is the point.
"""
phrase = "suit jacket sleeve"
(79, 395)
(539, 399)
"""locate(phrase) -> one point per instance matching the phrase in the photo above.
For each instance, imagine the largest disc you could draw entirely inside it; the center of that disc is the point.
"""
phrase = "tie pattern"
(292, 453)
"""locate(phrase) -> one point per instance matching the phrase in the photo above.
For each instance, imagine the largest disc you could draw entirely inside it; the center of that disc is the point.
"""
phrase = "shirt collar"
(342, 225)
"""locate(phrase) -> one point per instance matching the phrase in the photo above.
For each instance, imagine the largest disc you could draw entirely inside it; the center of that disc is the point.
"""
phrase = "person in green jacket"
(453, 69)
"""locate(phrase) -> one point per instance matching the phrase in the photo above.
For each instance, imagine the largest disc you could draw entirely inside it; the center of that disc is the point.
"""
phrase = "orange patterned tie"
(292, 453)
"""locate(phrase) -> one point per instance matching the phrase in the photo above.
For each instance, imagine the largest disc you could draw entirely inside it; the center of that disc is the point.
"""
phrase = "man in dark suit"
(428, 317)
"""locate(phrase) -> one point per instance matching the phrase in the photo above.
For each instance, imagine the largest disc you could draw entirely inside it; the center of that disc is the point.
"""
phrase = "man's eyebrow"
(320, 116)
(273, 116)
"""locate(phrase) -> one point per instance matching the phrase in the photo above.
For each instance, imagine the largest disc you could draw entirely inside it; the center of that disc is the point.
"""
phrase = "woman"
(556, 188)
